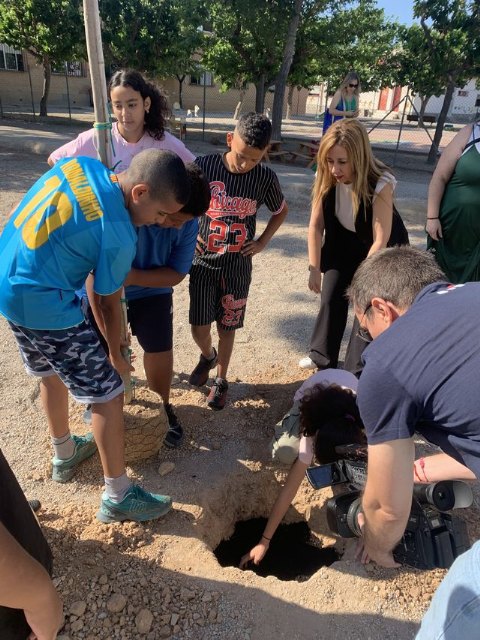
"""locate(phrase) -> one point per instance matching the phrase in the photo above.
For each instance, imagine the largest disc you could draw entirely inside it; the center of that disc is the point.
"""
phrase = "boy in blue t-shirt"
(163, 259)
(76, 219)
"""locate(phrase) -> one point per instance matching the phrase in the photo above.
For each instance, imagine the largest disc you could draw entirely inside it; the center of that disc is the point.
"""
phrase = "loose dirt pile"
(161, 579)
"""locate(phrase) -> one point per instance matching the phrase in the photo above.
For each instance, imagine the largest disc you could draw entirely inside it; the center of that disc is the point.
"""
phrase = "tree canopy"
(451, 30)
(51, 30)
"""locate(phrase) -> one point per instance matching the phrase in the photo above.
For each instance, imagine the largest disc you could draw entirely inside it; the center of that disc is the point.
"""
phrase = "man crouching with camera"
(422, 374)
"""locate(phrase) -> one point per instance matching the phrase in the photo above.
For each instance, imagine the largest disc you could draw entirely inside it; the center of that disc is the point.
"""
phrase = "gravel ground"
(161, 580)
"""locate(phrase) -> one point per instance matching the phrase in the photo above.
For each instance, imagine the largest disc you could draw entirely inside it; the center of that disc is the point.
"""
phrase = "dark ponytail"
(330, 415)
(159, 111)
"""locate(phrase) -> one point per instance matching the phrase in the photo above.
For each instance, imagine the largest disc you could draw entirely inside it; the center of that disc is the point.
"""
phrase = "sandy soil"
(161, 580)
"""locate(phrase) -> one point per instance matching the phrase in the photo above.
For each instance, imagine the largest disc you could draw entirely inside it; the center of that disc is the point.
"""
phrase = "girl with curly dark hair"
(141, 113)
(329, 417)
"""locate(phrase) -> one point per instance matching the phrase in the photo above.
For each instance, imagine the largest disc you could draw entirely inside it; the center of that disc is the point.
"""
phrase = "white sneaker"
(307, 363)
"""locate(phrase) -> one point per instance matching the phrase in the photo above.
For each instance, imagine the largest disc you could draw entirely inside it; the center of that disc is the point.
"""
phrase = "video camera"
(432, 538)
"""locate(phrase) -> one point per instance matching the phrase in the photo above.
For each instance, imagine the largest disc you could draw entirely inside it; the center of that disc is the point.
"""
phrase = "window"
(462, 93)
(202, 78)
(73, 68)
(11, 59)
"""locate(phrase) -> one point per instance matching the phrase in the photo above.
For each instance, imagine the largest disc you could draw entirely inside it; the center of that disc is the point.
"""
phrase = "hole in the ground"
(292, 555)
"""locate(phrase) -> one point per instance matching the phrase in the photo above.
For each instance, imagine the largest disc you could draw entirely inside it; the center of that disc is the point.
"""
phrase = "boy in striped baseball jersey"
(222, 267)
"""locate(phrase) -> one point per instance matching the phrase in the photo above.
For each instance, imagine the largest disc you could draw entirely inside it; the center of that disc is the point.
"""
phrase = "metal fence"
(391, 132)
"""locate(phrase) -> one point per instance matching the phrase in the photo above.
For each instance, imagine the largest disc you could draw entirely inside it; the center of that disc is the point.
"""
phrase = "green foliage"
(357, 38)
(158, 37)
(247, 41)
(452, 38)
(51, 30)
(451, 30)
(415, 64)
(136, 33)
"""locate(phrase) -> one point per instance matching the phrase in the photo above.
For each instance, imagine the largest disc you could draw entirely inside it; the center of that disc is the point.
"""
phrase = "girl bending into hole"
(325, 413)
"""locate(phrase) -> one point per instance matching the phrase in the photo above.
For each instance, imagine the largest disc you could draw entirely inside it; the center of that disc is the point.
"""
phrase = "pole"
(103, 127)
(31, 87)
(68, 91)
(204, 102)
(96, 65)
(401, 127)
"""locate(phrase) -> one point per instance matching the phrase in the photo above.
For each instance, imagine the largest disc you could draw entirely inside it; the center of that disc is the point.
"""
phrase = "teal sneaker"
(138, 505)
(64, 470)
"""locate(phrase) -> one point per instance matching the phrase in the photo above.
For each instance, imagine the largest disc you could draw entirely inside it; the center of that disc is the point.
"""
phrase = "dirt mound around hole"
(146, 424)
(246, 495)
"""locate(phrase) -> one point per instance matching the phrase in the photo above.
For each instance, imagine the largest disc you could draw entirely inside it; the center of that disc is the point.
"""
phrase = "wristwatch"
(312, 268)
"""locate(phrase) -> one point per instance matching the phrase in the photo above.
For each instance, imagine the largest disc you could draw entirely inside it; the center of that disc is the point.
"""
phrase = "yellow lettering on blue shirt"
(82, 190)
(34, 236)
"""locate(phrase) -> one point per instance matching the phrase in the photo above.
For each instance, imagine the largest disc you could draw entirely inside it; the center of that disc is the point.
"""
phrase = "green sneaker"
(138, 505)
(64, 470)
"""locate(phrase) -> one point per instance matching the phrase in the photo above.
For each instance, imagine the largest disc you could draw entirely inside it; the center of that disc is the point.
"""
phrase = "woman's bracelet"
(436, 218)
(265, 538)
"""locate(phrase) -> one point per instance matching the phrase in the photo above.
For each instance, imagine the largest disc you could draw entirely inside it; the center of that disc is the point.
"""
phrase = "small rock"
(143, 621)
(174, 619)
(77, 625)
(166, 467)
(103, 579)
(78, 608)
(116, 603)
(164, 632)
(187, 594)
(212, 615)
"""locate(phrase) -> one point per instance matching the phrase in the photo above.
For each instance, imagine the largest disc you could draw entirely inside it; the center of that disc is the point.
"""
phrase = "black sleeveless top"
(341, 242)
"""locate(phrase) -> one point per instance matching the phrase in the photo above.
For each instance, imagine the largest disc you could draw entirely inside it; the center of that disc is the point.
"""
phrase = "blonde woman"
(345, 101)
(352, 216)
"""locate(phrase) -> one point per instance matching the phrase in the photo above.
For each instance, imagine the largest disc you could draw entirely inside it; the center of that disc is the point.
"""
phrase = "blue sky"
(400, 9)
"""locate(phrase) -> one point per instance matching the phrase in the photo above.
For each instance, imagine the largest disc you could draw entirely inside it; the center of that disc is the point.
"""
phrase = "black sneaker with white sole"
(174, 437)
(199, 375)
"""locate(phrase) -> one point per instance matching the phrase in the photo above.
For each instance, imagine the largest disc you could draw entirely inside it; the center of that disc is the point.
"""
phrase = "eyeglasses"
(362, 333)
(354, 86)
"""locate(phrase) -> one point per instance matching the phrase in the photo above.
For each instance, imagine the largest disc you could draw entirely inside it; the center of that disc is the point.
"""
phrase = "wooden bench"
(413, 117)
(178, 126)
(280, 155)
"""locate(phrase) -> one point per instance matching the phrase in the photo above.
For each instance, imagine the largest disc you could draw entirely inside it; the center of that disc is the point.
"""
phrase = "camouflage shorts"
(75, 355)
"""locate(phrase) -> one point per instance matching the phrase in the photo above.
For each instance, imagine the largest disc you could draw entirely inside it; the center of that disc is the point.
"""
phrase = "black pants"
(17, 517)
(332, 318)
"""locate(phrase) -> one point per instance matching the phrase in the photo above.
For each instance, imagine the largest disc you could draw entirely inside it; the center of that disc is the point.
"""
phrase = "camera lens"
(439, 494)
(352, 517)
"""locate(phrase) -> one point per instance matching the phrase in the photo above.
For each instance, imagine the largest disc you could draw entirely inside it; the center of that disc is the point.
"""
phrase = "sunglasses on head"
(353, 85)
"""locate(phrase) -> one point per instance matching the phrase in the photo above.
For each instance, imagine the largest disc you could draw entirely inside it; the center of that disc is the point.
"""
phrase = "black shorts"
(151, 321)
(218, 295)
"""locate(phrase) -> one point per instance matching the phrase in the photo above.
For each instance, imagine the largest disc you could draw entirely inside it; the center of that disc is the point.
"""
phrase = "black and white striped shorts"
(218, 295)
(75, 355)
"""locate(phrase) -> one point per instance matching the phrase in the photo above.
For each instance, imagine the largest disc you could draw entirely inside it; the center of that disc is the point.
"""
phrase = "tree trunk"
(423, 105)
(47, 75)
(432, 156)
(180, 90)
(260, 94)
(281, 80)
(290, 101)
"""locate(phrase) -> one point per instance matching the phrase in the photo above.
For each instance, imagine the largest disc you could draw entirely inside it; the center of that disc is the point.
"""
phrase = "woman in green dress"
(453, 212)
(345, 101)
